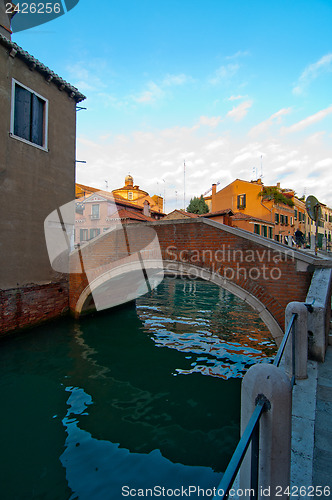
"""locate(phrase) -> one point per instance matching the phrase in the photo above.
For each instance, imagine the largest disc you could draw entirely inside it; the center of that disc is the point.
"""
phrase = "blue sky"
(236, 89)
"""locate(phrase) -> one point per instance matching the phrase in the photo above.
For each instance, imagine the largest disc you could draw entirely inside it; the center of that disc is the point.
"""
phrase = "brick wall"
(32, 304)
(265, 269)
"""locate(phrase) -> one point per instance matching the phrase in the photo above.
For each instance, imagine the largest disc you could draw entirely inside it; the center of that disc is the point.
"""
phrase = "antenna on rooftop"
(106, 184)
(184, 184)
(261, 166)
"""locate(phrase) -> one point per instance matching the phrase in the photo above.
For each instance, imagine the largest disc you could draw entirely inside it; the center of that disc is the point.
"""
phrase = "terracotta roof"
(188, 214)
(241, 216)
(226, 211)
(117, 199)
(36, 65)
(128, 214)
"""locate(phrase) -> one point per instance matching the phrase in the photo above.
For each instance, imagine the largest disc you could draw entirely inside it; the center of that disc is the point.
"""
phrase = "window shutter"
(37, 120)
(244, 201)
(22, 113)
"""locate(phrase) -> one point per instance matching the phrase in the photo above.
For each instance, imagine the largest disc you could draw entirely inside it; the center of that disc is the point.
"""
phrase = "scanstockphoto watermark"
(28, 14)
(231, 264)
(162, 491)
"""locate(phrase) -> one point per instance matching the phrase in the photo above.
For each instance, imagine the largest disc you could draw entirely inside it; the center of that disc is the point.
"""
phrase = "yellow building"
(134, 194)
(272, 204)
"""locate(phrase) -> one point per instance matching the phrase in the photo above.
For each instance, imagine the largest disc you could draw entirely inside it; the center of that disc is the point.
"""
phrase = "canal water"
(143, 396)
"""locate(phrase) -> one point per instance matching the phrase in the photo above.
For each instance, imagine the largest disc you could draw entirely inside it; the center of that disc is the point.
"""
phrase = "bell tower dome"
(129, 181)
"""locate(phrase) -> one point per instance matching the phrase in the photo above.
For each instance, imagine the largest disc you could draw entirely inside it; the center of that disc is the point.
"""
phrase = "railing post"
(301, 340)
(275, 428)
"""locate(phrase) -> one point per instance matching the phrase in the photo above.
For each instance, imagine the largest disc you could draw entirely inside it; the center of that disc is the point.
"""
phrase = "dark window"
(277, 218)
(257, 228)
(286, 220)
(282, 219)
(29, 116)
(270, 232)
(264, 231)
(295, 215)
(241, 201)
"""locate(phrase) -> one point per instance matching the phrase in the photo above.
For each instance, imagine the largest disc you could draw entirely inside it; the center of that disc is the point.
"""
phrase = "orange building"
(266, 210)
(137, 196)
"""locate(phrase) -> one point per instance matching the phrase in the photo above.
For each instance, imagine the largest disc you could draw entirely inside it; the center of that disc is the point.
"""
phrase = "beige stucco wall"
(33, 182)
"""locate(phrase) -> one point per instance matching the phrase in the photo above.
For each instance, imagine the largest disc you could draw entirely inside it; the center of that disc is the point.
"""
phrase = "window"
(95, 212)
(270, 232)
(286, 220)
(276, 218)
(291, 220)
(256, 228)
(29, 116)
(241, 201)
(295, 215)
(282, 219)
(94, 233)
(130, 195)
(84, 234)
(264, 231)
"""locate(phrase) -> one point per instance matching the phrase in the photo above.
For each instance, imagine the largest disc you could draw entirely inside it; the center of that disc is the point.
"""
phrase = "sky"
(237, 89)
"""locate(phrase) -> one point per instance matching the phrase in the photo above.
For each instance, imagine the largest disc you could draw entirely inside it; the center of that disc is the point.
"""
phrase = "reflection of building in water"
(98, 211)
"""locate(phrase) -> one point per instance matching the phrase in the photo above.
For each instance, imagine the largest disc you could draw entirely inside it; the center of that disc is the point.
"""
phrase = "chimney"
(146, 209)
(214, 191)
(5, 19)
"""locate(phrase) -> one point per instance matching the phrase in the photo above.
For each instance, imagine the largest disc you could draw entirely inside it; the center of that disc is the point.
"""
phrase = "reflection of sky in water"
(98, 469)
(221, 334)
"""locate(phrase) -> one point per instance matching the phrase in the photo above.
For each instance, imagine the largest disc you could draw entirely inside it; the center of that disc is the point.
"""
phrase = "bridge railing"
(268, 398)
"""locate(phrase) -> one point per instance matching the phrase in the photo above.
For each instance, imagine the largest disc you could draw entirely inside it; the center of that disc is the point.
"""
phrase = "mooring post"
(301, 340)
(268, 381)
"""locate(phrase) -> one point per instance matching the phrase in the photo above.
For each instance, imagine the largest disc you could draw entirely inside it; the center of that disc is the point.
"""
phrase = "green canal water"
(141, 396)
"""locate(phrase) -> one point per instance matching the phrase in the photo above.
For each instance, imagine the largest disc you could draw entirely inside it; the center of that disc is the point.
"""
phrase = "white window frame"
(12, 115)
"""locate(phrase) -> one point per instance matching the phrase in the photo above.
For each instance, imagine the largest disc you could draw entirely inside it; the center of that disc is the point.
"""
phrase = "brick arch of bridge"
(266, 274)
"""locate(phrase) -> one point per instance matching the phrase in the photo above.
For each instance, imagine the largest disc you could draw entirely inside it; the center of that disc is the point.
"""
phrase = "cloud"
(239, 112)
(239, 53)
(265, 125)
(312, 72)
(153, 156)
(152, 93)
(310, 120)
(236, 97)
(180, 79)
(327, 162)
(157, 91)
(224, 73)
(210, 121)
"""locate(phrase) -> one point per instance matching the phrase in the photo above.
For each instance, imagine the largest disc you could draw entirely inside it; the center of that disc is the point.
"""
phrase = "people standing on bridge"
(299, 238)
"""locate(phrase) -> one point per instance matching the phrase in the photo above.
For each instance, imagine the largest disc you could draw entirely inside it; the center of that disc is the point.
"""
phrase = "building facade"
(37, 175)
(270, 211)
(99, 211)
(137, 196)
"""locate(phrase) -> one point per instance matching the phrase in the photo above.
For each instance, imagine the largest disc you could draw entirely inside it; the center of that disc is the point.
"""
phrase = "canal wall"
(32, 304)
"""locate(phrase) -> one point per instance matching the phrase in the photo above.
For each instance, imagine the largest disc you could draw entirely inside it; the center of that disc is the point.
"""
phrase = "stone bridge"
(129, 260)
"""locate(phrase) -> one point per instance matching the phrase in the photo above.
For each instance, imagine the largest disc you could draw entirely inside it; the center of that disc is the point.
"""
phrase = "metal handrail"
(251, 432)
